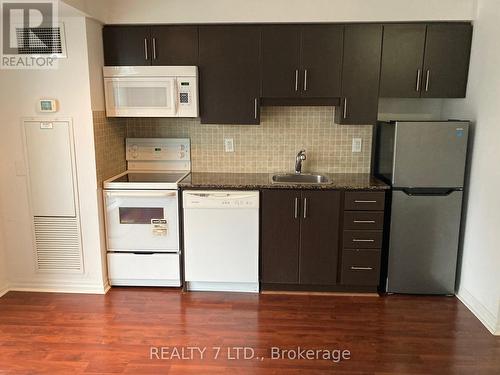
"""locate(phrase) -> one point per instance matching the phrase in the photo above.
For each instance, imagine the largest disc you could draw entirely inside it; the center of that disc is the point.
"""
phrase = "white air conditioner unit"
(41, 41)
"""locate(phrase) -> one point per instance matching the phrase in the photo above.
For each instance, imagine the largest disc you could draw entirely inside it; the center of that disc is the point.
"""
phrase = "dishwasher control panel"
(220, 199)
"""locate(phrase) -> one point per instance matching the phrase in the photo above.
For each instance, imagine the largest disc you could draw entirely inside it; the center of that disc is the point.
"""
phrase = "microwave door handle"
(176, 96)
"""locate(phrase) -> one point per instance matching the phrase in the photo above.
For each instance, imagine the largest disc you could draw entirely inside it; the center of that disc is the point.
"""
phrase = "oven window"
(140, 215)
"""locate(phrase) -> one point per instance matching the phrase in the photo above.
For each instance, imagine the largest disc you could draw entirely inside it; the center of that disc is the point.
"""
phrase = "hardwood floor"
(44, 333)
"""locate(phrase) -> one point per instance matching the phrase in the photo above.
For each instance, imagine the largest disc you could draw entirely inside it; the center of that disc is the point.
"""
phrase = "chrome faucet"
(301, 156)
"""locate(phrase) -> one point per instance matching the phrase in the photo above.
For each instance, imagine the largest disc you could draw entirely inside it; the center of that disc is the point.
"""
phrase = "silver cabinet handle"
(146, 48)
(305, 79)
(296, 207)
(345, 108)
(363, 240)
(364, 221)
(356, 268)
(427, 78)
(296, 80)
(305, 208)
(361, 201)
(255, 109)
(419, 73)
(154, 48)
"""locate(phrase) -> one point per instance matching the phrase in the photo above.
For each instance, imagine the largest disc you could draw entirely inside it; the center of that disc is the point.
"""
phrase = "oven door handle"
(146, 194)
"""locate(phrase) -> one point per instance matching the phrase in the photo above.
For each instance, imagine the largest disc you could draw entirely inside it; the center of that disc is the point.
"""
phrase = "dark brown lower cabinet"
(362, 238)
(300, 240)
(280, 231)
(309, 236)
(319, 236)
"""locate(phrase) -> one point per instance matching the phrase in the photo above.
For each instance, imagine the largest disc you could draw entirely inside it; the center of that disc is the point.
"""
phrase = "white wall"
(96, 62)
(3, 268)
(211, 11)
(20, 91)
(479, 285)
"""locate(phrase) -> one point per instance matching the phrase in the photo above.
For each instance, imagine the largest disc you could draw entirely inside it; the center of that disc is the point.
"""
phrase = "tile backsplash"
(109, 139)
(270, 146)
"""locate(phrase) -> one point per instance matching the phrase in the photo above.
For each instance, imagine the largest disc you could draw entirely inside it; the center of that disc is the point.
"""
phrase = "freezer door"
(430, 154)
(424, 243)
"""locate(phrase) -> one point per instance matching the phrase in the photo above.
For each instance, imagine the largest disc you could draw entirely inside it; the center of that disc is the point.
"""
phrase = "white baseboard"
(59, 287)
(4, 289)
(489, 320)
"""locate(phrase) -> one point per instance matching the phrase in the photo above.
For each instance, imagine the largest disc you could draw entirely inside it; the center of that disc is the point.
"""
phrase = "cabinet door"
(321, 60)
(127, 45)
(402, 58)
(319, 237)
(360, 74)
(229, 74)
(280, 230)
(446, 62)
(174, 45)
(280, 61)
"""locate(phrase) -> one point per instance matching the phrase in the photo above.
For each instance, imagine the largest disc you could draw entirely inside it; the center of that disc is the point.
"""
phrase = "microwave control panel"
(187, 96)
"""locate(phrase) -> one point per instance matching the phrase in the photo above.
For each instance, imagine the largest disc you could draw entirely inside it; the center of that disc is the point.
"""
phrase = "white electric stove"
(142, 213)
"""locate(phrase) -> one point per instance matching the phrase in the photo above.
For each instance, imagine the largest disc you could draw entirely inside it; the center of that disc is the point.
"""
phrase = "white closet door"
(49, 162)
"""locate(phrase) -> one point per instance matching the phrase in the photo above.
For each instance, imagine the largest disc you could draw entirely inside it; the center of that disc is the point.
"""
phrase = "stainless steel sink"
(302, 178)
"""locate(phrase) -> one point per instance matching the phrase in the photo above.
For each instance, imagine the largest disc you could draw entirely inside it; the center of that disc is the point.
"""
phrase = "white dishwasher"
(221, 240)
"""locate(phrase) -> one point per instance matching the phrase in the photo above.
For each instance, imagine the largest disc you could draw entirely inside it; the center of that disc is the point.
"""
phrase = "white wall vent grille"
(57, 244)
(41, 41)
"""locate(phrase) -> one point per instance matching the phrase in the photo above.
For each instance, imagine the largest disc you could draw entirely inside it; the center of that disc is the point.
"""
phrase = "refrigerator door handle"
(441, 192)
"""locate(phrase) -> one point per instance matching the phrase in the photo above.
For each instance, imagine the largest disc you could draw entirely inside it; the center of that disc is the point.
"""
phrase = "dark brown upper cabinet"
(280, 61)
(127, 45)
(174, 45)
(360, 74)
(402, 58)
(446, 61)
(301, 61)
(425, 60)
(150, 45)
(229, 68)
(300, 237)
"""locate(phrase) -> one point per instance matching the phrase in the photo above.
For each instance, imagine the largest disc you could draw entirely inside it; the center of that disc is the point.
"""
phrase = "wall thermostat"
(47, 105)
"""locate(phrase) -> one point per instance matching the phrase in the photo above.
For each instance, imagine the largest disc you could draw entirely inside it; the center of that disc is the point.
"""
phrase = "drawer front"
(359, 239)
(360, 267)
(363, 220)
(144, 269)
(364, 201)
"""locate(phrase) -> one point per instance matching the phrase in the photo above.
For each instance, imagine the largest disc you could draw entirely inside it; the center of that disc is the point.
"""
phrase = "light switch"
(228, 145)
(20, 168)
(357, 144)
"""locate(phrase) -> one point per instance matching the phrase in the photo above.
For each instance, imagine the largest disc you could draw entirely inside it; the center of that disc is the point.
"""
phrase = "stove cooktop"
(145, 180)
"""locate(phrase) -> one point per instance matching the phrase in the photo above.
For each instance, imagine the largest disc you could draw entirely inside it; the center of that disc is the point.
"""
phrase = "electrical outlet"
(357, 144)
(228, 145)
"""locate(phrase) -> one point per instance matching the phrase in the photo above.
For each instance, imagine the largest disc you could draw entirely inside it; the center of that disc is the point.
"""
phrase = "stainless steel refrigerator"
(425, 164)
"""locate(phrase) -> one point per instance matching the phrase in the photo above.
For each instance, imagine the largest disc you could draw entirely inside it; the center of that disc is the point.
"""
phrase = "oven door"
(142, 220)
(141, 96)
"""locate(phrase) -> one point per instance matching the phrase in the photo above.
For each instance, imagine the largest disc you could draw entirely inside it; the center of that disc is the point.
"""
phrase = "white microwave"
(151, 91)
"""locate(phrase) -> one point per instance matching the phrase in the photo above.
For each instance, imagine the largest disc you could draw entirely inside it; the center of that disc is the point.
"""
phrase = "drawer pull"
(363, 240)
(361, 201)
(364, 221)
(356, 268)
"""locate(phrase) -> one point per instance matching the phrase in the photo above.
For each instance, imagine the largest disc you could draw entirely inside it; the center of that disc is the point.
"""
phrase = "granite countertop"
(214, 180)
